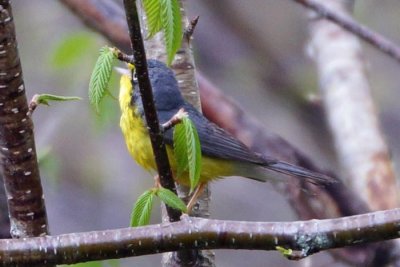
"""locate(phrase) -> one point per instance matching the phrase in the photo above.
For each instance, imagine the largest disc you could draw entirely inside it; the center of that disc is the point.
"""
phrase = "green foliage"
(171, 199)
(142, 210)
(109, 115)
(45, 98)
(286, 252)
(98, 85)
(187, 151)
(153, 12)
(171, 22)
(165, 15)
(72, 49)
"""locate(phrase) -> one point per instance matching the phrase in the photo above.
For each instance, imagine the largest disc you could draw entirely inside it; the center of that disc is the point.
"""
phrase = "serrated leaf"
(45, 98)
(142, 210)
(72, 48)
(153, 13)
(187, 150)
(171, 199)
(172, 27)
(180, 150)
(98, 85)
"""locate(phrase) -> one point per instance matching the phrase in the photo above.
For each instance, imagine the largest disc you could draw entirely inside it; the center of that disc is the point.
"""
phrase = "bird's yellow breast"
(135, 133)
(139, 146)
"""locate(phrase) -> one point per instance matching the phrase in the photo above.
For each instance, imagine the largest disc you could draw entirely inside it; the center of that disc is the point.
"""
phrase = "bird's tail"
(312, 177)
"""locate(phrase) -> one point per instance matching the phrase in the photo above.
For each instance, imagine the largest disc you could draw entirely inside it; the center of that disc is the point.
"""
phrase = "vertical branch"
(146, 93)
(4, 218)
(351, 112)
(184, 68)
(17, 147)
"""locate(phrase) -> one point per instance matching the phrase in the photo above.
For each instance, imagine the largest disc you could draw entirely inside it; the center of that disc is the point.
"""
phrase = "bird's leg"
(199, 190)
(157, 182)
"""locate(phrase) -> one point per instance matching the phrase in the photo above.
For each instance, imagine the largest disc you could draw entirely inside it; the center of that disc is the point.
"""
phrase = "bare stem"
(177, 118)
(146, 93)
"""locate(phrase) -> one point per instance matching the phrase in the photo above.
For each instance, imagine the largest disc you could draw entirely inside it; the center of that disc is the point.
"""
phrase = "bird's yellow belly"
(137, 140)
(139, 146)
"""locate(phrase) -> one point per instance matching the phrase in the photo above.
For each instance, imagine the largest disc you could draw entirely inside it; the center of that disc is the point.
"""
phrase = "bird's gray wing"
(214, 141)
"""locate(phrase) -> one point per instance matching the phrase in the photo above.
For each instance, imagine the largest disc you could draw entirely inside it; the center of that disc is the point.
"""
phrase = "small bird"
(222, 154)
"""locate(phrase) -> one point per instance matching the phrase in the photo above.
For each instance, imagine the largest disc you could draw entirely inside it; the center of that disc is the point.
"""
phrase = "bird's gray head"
(165, 87)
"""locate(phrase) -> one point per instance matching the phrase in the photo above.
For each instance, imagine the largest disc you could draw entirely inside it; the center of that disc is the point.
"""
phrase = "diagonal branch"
(348, 23)
(114, 29)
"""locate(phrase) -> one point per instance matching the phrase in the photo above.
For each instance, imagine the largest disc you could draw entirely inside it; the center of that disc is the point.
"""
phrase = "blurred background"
(254, 50)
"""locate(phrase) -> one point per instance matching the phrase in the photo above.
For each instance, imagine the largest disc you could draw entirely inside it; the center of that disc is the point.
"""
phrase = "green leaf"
(153, 14)
(165, 15)
(98, 85)
(108, 113)
(142, 210)
(171, 199)
(187, 151)
(72, 48)
(286, 252)
(172, 27)
(45, 98)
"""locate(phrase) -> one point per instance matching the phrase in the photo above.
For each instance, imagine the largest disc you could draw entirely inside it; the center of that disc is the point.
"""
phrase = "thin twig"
(177, 118)
(124, 57)
(373, 38)
(146, 93)
(33, 105)
(190, 28)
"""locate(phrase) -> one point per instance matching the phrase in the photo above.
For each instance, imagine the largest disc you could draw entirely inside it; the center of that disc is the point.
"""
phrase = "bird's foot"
(157, 183)
(199, 190)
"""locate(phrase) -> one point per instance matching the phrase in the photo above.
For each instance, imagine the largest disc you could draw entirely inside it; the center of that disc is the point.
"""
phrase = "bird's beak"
(122, 71)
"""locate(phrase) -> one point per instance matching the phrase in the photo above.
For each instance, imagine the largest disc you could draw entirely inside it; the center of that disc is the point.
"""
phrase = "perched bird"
(222, 154)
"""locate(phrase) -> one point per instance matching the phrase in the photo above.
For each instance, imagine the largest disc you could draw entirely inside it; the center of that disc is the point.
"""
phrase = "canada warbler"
(222, 154)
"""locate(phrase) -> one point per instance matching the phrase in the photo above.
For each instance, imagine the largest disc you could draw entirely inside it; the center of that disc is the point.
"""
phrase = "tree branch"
(110, 24)
(303, 237)
(146, 93)
(348, 23)
(184, 69)
(17, 146)
(351, 113)
(349, 106)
